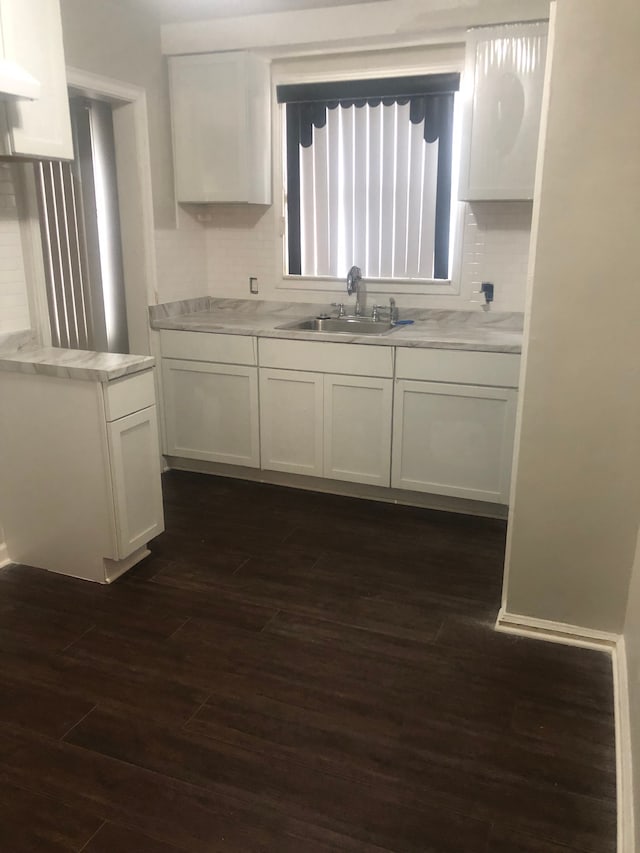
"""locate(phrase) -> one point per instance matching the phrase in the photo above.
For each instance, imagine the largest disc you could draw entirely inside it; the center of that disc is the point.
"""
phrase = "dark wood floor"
(296, 673)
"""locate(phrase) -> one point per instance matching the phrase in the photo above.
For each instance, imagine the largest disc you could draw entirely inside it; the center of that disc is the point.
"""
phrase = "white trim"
(624, 768)
(351, 26)
(613, 645)
(325, 284)
(555, 632)
(390, 62)
(4, 555)
(533, 251)
(95, 85)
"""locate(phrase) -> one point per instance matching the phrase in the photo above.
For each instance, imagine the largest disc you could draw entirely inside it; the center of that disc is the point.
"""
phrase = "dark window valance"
(430, 97)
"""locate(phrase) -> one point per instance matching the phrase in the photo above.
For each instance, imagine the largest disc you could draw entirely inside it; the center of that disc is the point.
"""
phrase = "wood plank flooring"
(292, 672)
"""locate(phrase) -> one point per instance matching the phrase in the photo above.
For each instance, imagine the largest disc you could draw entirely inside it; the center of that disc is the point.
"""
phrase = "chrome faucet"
(392, 309)
(354, 278)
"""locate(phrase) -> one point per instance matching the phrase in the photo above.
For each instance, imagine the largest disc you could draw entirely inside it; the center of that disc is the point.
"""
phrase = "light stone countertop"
(72, 363)
(432, 328)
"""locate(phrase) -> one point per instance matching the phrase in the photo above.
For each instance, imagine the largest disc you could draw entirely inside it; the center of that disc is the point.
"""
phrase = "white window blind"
(80, 228)
(368, 195)
(368, 176)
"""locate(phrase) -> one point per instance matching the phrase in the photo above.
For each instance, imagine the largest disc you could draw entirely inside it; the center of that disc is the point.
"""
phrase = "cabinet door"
(220, 118)
(32, 36)
(453, 439)
(135, 476)
(357, 429)
(211, 411)
(291, 421)
(502, 111)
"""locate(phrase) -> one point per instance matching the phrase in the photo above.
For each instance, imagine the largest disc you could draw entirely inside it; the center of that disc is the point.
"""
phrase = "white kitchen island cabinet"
(81, 491)
(31, 36)
(454, 436)
(210, 385)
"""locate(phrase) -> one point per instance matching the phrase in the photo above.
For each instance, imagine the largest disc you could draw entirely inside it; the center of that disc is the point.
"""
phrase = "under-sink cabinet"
(326, 424)
(454, 423)
(210, 387)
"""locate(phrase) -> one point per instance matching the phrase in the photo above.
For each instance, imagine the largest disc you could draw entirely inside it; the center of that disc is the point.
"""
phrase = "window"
(80, 225)
(368, 176)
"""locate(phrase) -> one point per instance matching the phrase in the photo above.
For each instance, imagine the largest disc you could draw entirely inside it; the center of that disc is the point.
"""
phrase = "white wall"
(632, 643)
(576, 502)
(14, 305)
(117, 41)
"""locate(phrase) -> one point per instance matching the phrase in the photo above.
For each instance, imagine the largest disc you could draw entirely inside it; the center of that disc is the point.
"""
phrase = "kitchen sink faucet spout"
(354, 280)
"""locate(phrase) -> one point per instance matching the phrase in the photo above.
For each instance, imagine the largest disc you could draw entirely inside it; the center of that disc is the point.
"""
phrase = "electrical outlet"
(253, 284)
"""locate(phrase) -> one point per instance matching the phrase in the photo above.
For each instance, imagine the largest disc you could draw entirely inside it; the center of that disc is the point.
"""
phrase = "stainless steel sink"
(342, 325)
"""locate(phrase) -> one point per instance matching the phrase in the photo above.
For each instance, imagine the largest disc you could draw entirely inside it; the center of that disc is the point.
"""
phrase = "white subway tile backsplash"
(181, 263)
(14, 305)
(234, 242)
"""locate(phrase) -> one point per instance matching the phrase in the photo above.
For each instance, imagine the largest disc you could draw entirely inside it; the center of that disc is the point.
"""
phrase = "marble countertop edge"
(73, 364)
(435, 329)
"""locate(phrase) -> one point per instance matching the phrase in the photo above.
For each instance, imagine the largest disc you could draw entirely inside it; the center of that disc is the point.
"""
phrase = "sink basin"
(342, 325)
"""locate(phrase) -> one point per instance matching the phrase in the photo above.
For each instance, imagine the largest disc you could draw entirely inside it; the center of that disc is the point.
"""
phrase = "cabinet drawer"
(128, 395)
(499, 369)
(204, 346)
(349, 359)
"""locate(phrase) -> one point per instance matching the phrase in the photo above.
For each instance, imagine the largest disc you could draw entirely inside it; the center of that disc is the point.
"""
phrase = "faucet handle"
(340, 307)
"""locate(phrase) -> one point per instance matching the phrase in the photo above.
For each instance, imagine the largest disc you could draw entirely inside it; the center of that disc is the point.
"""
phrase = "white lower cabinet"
(134, 453)
(445, 427)
(453, 440)
(326, 425)
(357, 429)
(322, 422)
(211, 411)
(210, 389)
(291, 424)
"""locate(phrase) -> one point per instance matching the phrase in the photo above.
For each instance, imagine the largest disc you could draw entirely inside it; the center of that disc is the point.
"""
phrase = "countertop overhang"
(73, 363)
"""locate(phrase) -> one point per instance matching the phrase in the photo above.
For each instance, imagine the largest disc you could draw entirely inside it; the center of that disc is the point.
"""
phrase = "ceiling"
(173, 11)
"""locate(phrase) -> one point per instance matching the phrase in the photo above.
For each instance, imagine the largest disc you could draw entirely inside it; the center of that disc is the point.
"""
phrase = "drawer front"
(124, 396)
(498, 369)
(204, 346)
(349, 359)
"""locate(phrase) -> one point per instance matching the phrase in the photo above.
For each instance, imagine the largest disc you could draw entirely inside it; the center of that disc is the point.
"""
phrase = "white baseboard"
(624, 758)
(385, 494)
(555, 632)
(4, 555)
(614, 645)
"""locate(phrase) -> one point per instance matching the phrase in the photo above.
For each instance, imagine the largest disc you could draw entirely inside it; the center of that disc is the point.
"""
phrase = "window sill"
(390, 286)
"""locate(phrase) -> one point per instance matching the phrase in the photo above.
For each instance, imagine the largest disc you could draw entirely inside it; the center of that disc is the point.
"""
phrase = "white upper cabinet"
(32, 38)
(221, 125)
(504, 81)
